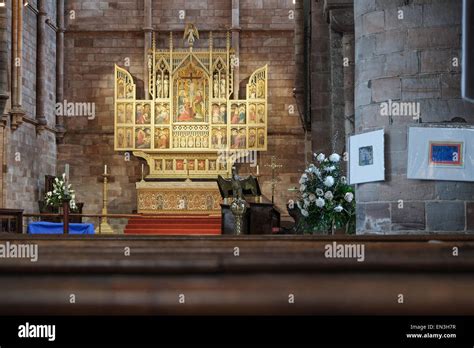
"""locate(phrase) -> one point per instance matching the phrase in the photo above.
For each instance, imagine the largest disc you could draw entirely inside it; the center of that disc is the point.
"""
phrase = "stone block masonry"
(409, 52)
(28, 155)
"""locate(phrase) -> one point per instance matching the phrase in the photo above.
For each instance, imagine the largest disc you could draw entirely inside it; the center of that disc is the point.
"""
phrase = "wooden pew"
(260, 280)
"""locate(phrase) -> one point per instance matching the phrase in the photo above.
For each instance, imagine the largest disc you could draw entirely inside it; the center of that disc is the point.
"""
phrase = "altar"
(178, 197)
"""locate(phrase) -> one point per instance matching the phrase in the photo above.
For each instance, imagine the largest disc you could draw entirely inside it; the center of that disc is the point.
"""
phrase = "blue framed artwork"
(446, 154)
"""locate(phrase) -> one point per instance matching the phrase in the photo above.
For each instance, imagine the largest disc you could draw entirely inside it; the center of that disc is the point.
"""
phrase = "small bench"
(11, 220)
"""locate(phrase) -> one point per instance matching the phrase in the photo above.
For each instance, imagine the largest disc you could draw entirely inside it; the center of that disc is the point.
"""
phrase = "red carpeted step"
(175, 225)
(171, 222)
(174, 232)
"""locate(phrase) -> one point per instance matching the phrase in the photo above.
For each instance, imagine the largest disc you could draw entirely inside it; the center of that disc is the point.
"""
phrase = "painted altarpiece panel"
(189, 116)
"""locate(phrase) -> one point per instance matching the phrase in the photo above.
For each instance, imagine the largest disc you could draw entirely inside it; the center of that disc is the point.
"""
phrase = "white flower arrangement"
(325, 199)
(62, 191)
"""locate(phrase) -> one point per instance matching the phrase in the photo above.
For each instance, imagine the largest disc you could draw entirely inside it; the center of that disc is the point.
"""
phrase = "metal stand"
(273, 166)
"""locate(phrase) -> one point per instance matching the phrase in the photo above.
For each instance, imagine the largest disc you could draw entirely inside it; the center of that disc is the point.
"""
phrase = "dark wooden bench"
(11, 220)
(257, 281)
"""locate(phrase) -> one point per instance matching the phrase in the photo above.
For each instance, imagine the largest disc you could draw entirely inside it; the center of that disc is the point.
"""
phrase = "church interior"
(235, 157)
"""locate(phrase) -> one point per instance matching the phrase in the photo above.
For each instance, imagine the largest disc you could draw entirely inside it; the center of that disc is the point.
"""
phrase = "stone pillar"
(349, 75)
(236, 44)
(340, 16)
(320, 76)
(60, 129)
(41, 66)
(299, 89)
(4, 96)
(405, 52)
(148, 30)
(17, 112)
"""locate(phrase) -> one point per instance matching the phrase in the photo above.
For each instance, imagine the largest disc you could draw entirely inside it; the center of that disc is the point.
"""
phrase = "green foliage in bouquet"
(62, 192)
(325, 199)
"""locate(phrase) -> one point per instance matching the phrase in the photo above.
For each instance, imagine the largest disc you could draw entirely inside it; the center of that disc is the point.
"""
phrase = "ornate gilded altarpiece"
(189, 118)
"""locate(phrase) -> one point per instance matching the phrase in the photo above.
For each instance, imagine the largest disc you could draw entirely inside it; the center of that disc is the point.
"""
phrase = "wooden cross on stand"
(273, 166)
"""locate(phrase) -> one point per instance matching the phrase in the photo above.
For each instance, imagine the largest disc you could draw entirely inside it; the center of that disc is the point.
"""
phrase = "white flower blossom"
(321, 157)
(329, 181)
(338, 209)
(302, 188)
(320, 202)
(349, 196)
(329, 196)
(334, 158)
(303, 179)
(343, 180)
(304, 212)
(312, 197)
(330, 169)
(319, 192)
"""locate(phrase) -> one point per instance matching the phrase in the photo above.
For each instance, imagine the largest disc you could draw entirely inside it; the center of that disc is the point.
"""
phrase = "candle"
(66, 170)
(258, 170)
(105, 169)
(143, 169)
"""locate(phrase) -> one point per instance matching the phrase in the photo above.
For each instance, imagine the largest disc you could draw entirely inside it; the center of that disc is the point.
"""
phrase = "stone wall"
(105, 33)
(5, 53)
(30, 155)
(405, 52)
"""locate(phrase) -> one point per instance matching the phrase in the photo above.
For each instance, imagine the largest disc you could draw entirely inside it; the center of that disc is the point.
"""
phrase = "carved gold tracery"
(190, 118)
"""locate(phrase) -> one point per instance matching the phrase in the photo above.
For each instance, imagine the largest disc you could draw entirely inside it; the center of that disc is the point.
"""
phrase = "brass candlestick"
(104, 225)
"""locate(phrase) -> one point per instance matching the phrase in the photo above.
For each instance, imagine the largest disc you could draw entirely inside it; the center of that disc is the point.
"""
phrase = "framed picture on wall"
(440, 153)
(366, 157)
